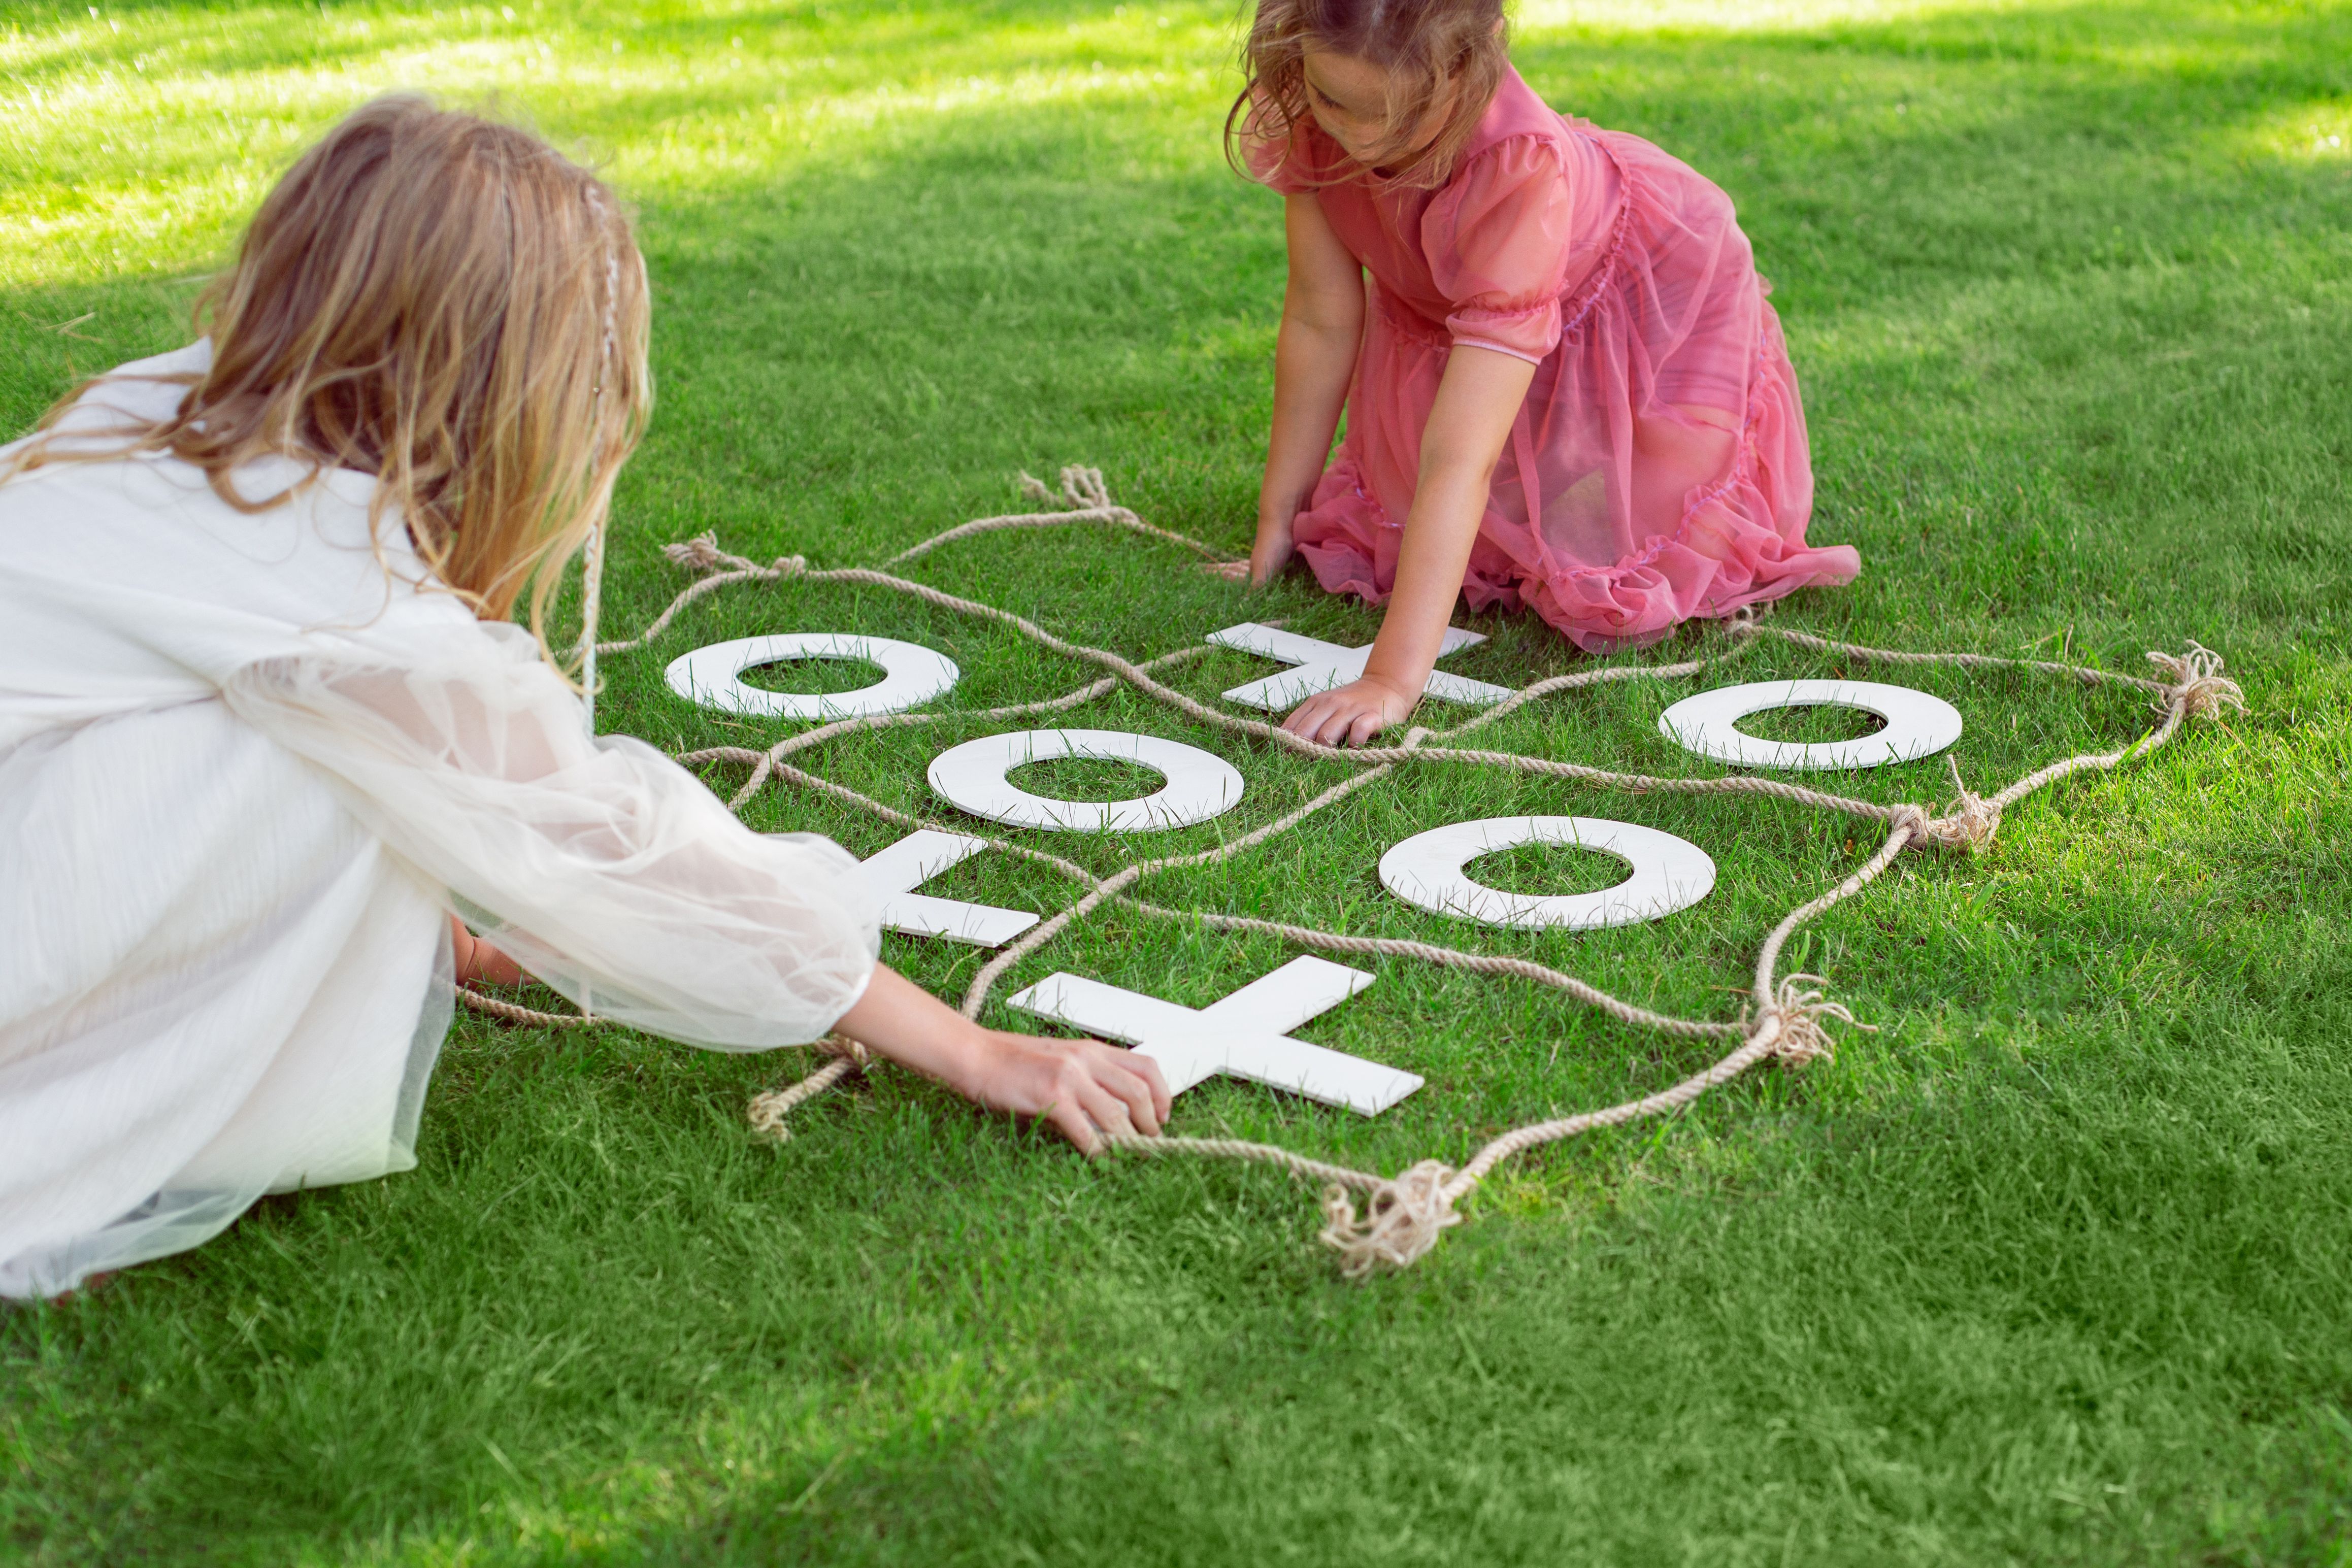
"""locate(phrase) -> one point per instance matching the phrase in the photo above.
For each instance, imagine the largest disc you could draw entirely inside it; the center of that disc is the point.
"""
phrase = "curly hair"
(1449, 53)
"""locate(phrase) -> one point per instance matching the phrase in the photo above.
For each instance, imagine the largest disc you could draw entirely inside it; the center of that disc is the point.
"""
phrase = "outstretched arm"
(1078, 1085)
(1476, 403)
(1082, 1086)
(1314, 359)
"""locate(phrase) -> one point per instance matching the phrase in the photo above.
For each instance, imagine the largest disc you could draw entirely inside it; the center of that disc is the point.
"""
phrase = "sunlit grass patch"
(153, 129)
(2050, 1269)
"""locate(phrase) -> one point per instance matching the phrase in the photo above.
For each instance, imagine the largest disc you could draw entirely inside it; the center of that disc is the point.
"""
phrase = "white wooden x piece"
(1246, 1035)
(1319, 666)
(913, 861)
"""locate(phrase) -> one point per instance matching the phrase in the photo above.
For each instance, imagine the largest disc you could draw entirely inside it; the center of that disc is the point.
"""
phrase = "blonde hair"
(441, 301)
(1430, 49)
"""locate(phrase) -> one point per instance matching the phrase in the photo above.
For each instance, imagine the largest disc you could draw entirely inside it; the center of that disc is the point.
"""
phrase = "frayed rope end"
(1804, 1014)
(1082, 488)
(2198, 684)
(1401, 1221)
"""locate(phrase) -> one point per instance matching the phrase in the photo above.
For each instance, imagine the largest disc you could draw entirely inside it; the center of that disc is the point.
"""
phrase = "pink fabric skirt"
(1658, 470)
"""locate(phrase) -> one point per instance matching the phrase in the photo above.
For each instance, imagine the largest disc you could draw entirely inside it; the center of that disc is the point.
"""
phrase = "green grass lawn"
(2054, 1268)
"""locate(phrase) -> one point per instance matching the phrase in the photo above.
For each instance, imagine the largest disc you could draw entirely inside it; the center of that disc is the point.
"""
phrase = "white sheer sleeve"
(602, 866)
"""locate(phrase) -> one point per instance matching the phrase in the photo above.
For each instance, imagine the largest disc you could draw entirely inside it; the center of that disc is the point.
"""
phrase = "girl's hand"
(1079, 1085)
(1268, 556)
(1349, 715)
(480, 960)
(1273, 551)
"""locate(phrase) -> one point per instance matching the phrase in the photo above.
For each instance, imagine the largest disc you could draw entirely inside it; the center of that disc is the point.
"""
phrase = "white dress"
(248, 764)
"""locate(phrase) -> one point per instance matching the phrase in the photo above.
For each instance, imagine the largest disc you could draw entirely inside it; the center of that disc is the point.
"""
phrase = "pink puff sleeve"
(1497, 241)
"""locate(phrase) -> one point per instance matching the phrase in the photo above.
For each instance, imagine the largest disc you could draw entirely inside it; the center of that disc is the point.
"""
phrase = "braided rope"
(1403, 1216)
(1087, 499)
(515, 1012)
(2085, 674)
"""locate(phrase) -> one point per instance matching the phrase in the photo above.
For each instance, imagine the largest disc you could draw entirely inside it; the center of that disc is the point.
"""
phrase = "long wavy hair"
(443, 302)
(1448, 53)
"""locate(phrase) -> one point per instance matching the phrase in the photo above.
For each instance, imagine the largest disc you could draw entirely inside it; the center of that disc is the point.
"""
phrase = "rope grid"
(1402, 1216)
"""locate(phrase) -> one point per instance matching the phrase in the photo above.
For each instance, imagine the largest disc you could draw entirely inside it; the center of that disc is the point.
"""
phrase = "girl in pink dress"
(1564, 388)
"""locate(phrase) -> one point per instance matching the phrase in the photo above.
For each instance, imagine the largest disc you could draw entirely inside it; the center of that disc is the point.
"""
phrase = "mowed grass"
(2050, 1269)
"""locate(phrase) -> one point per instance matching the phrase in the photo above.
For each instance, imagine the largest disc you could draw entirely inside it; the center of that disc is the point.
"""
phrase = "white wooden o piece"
(1918, 725)
(1199, 785)
(713, 676)
(1669, 873)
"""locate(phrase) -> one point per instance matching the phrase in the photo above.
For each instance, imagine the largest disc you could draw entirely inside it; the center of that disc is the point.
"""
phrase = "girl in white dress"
(265, 726)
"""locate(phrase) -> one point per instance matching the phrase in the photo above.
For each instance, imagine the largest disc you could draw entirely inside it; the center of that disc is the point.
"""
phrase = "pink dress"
(1658, 470)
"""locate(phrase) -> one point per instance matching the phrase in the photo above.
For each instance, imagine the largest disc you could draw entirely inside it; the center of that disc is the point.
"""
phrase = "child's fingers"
(1074, 1123)
(1133, 1090)
(1161, 1101)
(1314, 718)
(1330, 719)
(1106, 1110)
(1366, 725)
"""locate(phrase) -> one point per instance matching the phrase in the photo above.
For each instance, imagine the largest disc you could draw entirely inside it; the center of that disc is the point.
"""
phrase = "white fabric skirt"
(223, 986)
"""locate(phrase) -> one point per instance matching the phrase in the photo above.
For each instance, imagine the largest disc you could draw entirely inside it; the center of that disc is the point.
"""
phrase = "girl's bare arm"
(1079, 1085)
(1314, 359)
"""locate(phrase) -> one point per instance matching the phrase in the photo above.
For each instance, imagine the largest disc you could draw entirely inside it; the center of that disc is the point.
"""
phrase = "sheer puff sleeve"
(602, 867)
(1497, 240)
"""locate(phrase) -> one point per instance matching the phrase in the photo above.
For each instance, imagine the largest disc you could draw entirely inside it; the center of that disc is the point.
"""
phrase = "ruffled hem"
(1726, 554)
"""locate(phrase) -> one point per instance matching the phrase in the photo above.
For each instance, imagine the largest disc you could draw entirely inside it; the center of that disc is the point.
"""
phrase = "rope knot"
(841, 1045)
(1804, 1017)
(2198, 684)
(1402, 1219)
(1970, 825)
(790, 565)
(700, 553)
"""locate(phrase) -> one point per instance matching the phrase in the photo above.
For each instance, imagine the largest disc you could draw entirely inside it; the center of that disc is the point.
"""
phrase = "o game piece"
(1669, 873)
(1322, 665)
(712, 676)
(1199, 786)
(1243, 1035)
(1918, 725)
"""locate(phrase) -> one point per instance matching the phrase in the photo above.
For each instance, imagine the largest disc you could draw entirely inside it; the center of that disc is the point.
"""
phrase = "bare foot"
(91, 1285)
(480, 960)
